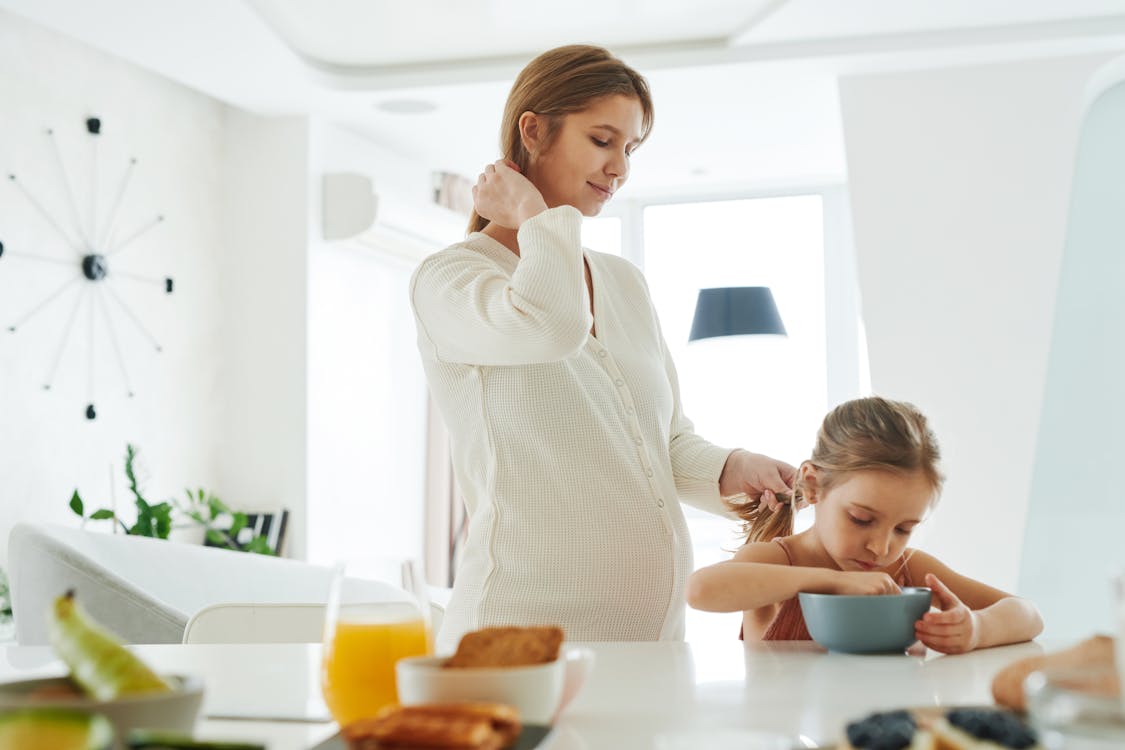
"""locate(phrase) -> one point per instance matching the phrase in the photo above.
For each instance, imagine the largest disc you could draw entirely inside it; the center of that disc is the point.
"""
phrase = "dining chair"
(245, 622)
(256, 622)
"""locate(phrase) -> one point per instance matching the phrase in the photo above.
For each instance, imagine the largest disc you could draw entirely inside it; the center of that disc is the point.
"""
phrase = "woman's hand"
(953, 630)
(756, 476)
(863, 583)
(505, 197)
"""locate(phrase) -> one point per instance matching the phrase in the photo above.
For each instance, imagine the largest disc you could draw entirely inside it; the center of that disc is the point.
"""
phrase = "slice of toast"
(507, 647)
(438, 726)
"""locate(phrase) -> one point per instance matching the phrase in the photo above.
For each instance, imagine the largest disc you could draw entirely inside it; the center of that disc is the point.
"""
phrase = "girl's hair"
(864, 434)
(557, 83)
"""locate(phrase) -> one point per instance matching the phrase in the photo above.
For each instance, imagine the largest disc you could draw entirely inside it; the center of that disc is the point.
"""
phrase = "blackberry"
(1001, 727)
(889, 730)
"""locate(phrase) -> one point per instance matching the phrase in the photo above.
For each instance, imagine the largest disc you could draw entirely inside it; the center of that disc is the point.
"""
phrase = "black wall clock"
(95, 246)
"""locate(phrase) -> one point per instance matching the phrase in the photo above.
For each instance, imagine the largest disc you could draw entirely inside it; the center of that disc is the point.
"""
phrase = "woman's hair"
(559, 82)
(864, 434)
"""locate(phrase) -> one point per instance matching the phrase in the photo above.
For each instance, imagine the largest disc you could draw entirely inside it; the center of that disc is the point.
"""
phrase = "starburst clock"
(96, 246)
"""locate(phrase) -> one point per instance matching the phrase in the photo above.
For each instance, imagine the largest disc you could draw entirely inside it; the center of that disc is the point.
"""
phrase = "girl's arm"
(759, 576)
(972, 614)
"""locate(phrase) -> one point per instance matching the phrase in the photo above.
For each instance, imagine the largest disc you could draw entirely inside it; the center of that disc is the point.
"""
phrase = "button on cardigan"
(571, 450)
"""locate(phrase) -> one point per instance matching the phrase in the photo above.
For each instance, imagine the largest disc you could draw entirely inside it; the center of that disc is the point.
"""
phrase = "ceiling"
(745, 90)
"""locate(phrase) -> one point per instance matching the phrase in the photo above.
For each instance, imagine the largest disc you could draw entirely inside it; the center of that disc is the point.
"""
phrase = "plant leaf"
(76, 504)
(101, 514)
(260, 545)
(162, 519)
(237, 524)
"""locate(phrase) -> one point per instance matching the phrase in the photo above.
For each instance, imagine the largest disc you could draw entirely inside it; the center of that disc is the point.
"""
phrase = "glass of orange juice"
(371, 623)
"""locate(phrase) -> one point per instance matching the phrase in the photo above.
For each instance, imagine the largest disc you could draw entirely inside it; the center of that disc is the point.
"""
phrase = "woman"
(551, 373)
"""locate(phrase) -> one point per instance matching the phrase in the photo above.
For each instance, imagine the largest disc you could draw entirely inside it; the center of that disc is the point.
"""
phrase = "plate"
(175, 710)
(530, 737)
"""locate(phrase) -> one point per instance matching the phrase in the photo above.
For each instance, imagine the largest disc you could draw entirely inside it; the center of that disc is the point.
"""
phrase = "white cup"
(539, 691)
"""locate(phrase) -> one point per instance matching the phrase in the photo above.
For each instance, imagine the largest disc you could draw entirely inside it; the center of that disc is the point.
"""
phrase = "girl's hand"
(504, 196)
(860, 583)
(756, 476)
(953, 630)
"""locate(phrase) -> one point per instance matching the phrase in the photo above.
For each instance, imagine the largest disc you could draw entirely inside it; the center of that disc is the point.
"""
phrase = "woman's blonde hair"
(864, 434)
(560, 82)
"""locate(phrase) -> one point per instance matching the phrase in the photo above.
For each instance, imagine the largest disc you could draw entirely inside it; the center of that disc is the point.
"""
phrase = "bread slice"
(887, 730)
(437, 726)
(507, 647)
(983, 729)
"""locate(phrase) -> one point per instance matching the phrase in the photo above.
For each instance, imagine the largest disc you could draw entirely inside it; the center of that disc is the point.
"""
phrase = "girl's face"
(588, 159)
(865, 521)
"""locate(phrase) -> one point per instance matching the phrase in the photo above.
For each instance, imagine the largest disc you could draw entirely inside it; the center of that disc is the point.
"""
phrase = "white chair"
(256, 623)
(266, 623)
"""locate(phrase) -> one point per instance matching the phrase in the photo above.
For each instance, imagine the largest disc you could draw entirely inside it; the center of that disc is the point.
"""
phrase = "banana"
(98, 662)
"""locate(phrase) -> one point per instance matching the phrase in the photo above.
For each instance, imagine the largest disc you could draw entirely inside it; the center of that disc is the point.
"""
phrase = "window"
(602, 234)
(764, 393)
(367, 401)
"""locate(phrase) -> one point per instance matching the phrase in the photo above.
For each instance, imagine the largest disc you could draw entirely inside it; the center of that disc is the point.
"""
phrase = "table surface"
(637, 693)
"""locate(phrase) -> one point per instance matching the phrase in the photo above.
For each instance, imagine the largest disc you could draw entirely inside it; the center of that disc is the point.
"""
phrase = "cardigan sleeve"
(470, 311)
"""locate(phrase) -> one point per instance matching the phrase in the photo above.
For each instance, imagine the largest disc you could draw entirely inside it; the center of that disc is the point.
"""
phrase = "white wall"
(960, 181)
(227, 404)
(264, 203)
(47, 447)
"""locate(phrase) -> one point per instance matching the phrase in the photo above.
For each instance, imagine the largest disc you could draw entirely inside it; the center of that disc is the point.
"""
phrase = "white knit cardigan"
(571, 450)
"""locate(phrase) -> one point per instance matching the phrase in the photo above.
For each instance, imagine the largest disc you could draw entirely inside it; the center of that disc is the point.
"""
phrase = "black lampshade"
(735, 311)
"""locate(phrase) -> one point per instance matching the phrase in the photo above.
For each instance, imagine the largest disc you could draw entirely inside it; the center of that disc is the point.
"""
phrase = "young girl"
(872, 478)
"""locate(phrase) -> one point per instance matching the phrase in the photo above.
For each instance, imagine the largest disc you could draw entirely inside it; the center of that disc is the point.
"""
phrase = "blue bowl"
(865, 624)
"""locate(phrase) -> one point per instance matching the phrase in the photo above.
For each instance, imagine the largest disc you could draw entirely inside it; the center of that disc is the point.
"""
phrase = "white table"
(636, 691)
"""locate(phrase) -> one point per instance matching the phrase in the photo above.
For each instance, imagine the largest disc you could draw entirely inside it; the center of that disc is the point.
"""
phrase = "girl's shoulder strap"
(785, 548)
(903, 578)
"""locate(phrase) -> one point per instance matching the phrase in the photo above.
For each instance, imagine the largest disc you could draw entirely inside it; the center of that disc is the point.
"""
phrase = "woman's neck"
(503, 235)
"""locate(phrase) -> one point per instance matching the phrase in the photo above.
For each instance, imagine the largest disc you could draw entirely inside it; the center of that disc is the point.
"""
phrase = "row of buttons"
(638, 440)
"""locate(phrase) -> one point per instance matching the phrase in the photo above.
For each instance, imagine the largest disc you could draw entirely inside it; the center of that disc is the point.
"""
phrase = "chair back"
(256, 623)
(240, 622)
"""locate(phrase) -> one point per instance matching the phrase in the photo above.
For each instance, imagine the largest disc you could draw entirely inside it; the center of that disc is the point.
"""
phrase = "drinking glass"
(378, 612)
(1119, 619)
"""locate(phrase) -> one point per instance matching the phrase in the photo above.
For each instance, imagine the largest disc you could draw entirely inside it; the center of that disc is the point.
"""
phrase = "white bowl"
(539, 691)
(174, 711)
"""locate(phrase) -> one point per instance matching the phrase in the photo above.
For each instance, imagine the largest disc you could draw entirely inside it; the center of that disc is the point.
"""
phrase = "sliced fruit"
(98, 661)
(54, 729)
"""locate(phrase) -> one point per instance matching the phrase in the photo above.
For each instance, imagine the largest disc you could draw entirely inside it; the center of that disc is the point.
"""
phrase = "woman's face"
(865, 521)
(588, 160)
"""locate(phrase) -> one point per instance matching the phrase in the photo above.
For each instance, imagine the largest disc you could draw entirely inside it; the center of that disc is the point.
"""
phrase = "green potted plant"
(221, 525)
